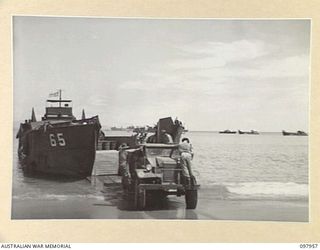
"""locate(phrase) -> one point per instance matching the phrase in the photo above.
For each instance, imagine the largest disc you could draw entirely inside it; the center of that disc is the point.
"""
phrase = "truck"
(155, 172)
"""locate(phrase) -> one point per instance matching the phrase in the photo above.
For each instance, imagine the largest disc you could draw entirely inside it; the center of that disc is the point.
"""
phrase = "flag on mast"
(55, 94)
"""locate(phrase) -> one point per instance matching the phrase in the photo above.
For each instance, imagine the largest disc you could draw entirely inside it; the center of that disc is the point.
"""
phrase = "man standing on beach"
(123, 155)
(186, 154)
(123, 165)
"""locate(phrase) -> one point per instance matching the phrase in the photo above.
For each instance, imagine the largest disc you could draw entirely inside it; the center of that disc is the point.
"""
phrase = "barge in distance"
(227, 132)
(251, 132)
(298, 133)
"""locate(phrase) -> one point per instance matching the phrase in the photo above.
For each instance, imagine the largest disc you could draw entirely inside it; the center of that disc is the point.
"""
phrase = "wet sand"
(113, 204)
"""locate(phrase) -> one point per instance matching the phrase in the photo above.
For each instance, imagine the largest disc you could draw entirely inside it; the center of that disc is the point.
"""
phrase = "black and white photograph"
(160, 118)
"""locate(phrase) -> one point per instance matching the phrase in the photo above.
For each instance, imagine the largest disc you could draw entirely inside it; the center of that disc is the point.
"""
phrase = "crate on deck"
(106, 145)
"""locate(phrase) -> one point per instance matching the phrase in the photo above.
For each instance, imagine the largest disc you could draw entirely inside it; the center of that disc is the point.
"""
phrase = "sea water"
(265, 166)
(268, 165)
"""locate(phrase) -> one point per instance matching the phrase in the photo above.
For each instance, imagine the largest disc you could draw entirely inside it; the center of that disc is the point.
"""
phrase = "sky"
(213, 74)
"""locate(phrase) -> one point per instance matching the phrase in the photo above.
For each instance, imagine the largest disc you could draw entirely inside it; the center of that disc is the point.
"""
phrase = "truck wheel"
(141, 200)
(135, 195)
(191, 199)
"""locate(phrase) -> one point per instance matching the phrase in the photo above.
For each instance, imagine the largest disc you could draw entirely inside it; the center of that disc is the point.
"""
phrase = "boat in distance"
(59, 144)
(227, 132)
(251, 132)
(298, 133)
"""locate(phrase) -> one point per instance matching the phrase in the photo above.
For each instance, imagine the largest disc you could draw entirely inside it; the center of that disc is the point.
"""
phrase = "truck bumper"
(167, 187)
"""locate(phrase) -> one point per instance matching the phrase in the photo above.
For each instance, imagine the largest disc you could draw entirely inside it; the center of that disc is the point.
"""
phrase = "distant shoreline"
(16, 128)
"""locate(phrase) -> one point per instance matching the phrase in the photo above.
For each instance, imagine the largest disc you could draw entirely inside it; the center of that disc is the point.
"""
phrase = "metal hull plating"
(63, 150)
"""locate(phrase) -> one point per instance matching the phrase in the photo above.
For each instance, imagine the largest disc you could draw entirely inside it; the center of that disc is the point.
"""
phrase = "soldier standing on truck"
(186, 154)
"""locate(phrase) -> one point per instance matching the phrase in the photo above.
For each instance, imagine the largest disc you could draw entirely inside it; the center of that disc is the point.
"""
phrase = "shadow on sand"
(157, 207)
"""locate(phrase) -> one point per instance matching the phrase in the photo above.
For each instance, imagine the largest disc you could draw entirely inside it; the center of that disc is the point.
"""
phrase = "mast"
(33, 116)
(59, 98)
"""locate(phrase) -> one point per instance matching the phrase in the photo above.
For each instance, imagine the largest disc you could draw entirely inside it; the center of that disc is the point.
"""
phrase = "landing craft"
(252, 132)
(227, 132)
(298, 133)
(59, 144)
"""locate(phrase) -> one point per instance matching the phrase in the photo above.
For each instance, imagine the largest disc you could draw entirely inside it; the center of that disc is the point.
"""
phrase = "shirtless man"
(186, 154)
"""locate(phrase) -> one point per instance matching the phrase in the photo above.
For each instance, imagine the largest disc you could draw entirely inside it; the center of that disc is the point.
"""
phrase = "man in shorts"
(186, 156)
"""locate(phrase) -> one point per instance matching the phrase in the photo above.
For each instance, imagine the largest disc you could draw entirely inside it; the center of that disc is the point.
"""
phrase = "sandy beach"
(113, 204)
